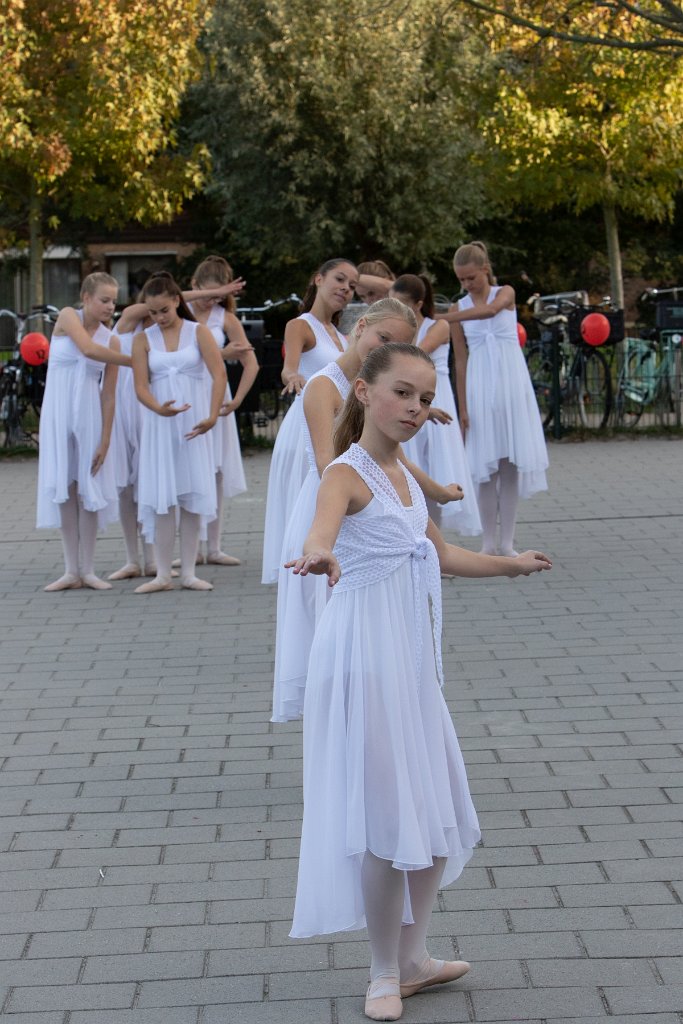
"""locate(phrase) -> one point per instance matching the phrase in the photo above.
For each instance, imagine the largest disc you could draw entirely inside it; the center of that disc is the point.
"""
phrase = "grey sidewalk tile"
(59, 971)
(11, 946)
(633, 999)
(546, 1003)
(201, 991)
(590, 973)
(568, 919)
(304, 1011)
(44, 921)
(275, 959)
(71, 997)
(217, 936)
(638, 943)
(143, 967)
(102, 896)
(87, 943)
(165, 1015)
(149, 916)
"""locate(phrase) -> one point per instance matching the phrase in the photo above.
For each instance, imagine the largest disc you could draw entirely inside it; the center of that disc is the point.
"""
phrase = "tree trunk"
(35, 234)
(614, 255)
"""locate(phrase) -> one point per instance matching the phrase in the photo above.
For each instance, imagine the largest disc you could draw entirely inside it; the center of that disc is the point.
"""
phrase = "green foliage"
(339, 128)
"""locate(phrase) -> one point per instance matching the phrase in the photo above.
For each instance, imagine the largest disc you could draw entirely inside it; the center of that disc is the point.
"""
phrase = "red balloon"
(521, 334)
(34, 348)
(595, 329)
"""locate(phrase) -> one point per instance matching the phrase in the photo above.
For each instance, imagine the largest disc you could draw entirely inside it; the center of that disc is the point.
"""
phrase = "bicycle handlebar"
(655, 293)
(269, 304)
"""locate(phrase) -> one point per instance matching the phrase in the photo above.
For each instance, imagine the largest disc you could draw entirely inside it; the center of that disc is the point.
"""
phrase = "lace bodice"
(343, 386)
(371, 547)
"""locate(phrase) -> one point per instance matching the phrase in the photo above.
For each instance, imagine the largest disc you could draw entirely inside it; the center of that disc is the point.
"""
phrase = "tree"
(88, 98)
(654, 26)
(580, 127)
(339, 128)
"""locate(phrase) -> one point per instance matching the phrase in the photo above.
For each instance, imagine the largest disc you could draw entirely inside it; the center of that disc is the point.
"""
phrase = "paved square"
(150, 813)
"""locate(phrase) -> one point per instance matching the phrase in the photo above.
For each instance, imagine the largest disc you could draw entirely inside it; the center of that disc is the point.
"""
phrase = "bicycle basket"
(616, 324)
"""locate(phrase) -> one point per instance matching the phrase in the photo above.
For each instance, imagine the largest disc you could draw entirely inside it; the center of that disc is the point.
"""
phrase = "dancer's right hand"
(320, 563)
(294, 385)
(169, 408)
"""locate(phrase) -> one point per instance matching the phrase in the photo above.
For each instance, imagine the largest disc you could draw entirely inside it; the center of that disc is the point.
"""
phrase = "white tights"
(79, 533)
(215, 527)
(164, 539)
(398, 950)
(498, 497)
(129, 524)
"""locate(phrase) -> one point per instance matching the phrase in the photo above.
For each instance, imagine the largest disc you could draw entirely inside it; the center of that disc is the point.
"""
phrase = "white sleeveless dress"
(288, 466)
(383, 769)
(438, 448)
(300, 599)
(174, 471)
(70, 432)
(225, 439)
(125, 435)
(504, 419)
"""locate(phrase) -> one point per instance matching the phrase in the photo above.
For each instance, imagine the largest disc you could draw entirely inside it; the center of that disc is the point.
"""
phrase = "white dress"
(225, 439)
(288, 466)
(438, 448)
(504, 419)
(300, 599)
(383, 769)
(125, 436)
(174, 471)
(70, 432)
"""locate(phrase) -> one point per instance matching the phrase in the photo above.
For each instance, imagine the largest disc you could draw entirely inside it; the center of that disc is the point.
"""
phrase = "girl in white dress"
(125, 443)
(499, 414)
(438, 447)
(176, 469)
(388, 816)
(76, 482)
(312, 341)
(219, 317)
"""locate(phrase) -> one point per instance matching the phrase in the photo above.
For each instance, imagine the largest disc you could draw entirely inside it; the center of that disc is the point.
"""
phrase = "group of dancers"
(370, 458)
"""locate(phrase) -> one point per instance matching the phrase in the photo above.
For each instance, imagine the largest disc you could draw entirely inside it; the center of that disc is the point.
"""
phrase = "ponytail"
(418, 288)
(215, 268)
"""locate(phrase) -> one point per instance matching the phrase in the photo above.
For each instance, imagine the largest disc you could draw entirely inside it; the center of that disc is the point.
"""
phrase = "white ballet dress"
(439, 451)
(125, 435)
(70, 433)
(504, 419)
(174, 471)
(300, 599)
(383, 771)
(289, 465)
(225, 439)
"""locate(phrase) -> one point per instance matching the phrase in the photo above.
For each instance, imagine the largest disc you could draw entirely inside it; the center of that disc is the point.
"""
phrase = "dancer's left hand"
(439, 416)
(98, 458)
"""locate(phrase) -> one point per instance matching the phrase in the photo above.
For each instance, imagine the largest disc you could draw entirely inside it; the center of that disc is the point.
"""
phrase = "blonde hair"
(93, 281)
(352, 419)
(475, 253)
(383, 309)
(215, 268)
(377, 268)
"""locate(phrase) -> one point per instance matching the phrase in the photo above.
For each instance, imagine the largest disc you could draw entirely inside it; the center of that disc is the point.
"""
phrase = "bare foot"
(220, 558)
(194, 583)
(94, 582)
(65, 582)
(129, 571)
(158, 583)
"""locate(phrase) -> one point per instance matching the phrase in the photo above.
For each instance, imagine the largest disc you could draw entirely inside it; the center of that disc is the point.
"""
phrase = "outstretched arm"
(69, 323)
(456, 561)
(504, 299)
(435, 492)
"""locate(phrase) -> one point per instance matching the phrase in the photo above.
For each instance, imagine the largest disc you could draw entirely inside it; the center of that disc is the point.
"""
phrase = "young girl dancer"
(388, 816)
(311, 342)
(438, 448)
(499, 414)
(76, 485)
(219, 317)
(176, 455)
(125, 446)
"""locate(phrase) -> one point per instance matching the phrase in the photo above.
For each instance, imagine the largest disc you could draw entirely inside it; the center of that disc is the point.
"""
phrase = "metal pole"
(555, 394)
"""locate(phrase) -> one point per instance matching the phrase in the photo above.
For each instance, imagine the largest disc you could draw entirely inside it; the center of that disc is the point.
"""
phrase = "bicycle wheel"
(632, 394)
(594, 388)
(540, 368)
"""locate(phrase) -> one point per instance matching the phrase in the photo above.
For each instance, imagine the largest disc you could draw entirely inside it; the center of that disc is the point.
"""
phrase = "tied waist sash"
(171, 372)
(491, 346)
(382, 551)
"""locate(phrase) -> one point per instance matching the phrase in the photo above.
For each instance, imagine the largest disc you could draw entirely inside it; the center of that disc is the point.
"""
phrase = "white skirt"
(504, 419)
(288, 469)
(227, 454)
(383, 769)
(300, 603)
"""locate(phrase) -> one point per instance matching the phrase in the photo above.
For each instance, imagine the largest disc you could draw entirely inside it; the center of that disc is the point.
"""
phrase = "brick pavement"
(150, 812)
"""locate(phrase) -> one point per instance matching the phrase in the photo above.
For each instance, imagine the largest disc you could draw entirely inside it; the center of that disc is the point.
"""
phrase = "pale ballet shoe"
(66, 582)
(382, 1001)
(194, 583)
(129, 571)
(199, 560)
(508, 552)
(94, 582)
(440, 973)
(220, 558)
(155, 585)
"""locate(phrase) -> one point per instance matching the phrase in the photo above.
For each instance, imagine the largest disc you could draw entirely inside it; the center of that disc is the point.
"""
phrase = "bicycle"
(22, 386)
(650, 377)
(271, 401)
(571, 379)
